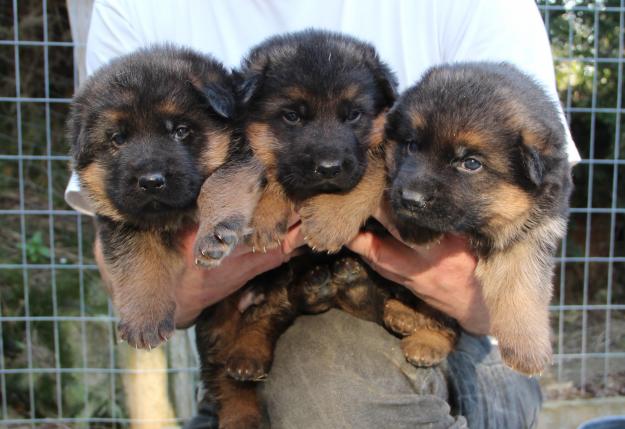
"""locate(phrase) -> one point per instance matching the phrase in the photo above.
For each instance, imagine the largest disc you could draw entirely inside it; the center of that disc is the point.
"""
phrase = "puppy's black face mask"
(431, 186)
(154, 167)
(145, 123)
(461, 161)
(317, 95)
(322, 141)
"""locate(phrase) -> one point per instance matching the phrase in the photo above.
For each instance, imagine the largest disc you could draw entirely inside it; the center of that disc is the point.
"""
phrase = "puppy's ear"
(76, 134)
(249, 87)
(384, 77)
(533, 164)
(220, 99)
(387, 82)
(249, 82)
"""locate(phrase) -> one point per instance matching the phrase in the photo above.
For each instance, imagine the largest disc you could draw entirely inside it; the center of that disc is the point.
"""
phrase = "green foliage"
(36, 251)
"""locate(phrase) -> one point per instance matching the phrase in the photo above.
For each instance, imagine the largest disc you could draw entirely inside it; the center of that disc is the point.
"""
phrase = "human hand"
(441, 273)
(198, 287)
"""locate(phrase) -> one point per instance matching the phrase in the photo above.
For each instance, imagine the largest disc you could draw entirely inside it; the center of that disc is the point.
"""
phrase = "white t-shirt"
(410, 35)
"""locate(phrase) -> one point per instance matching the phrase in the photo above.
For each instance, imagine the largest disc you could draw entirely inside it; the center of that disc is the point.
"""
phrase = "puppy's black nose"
(328, 168)
(413, 200)
(152, 182)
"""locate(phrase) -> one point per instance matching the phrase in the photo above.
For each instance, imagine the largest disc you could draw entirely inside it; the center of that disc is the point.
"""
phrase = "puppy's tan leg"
(429, 336)
(142, 271)
(517, 290)
(331, 220)
(271, 218)
(234, 402)
(226, 205)
(251, 354)
(239, 406)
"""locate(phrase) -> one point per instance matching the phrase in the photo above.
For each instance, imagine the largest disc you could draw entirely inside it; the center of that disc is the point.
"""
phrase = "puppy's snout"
(152, 182)
(329, 168)
(414, 200)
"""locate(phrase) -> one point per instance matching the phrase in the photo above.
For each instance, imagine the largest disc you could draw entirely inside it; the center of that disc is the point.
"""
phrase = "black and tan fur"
(478, 149)
(236, 350)
(314, 105)
(145, 132)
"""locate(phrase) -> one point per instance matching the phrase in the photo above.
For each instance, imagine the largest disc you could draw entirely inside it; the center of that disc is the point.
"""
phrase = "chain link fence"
(59, 361)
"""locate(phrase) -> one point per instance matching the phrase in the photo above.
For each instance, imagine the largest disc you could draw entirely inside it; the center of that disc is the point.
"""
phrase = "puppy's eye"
(412, 146)
(118, 139)
(353, 116)
(290, 117)
(181, 132)
(471, 164)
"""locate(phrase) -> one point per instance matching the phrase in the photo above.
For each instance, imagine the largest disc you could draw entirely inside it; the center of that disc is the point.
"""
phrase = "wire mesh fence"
(587, 309)
(59, 361)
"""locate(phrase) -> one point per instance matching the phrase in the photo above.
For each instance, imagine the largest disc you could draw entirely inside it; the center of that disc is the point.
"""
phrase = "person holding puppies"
(332, 390)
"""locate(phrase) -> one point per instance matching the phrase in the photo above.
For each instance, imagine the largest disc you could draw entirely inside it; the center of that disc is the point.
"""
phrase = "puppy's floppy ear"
(220, 98)
(384, 77)
(249, 87)
(387, 82)
(533, 164)
(76, 134)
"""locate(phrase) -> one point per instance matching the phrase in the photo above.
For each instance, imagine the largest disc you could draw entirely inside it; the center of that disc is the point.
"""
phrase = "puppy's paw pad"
(211, 248)
(425, 349)
(245, 368)
(399, 318)
(425, 358)
(323, 238)
(317, 289)
(266, 238)
(348, 270)
(146, 335)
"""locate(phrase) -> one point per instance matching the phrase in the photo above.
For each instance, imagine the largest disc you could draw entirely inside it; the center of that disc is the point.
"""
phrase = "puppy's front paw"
(147, 329)
(426, 348)
(348, 270)
(247, 368)
(399, 318)
(213, 246)
(250, 359)
(529, 359)
(324, 234)
(267, 234)
(317, 289)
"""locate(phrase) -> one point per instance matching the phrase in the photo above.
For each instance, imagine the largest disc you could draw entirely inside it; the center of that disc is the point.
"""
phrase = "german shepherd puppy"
(145, 132)
(314, 106)
(478, 149)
